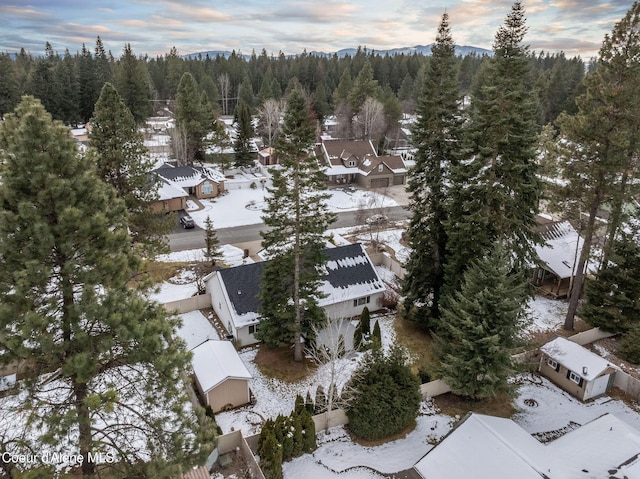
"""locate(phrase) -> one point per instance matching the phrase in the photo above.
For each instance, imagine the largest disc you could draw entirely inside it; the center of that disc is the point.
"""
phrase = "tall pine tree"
(244, 156)
(105, 373)
(436, 136)
(498, 199)
(602, 142)
(192, 119)
(133, 83)
(298, 218)
(122, 161)
(478, 328)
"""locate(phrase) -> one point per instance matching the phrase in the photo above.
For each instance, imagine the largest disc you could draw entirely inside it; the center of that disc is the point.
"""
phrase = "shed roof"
(216, 361)
(576, 358)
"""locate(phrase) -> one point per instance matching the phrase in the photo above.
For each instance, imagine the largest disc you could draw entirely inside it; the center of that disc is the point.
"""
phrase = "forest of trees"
(69, 84)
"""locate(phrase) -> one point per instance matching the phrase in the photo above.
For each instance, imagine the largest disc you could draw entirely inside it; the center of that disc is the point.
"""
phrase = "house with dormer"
(349, 283)
(199, 181)
(356, 162)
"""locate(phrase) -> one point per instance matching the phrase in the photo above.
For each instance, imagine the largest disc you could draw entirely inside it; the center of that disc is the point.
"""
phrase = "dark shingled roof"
(243, 282)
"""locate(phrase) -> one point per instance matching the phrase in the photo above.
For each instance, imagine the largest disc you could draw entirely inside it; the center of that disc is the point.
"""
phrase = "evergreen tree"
(271, 457)
(309, 431)
(478, 328)
(386, 395)
(68, 307)
(436, 136)
(358, 337)
(365, 86)
(603, 142)
(498, 194)
(192, 120)
(122, 161)
(132, 82)
(211, 242)
(244, 134)
(365, 322)
(613, 297)
(9, 92)
(376, 336)
(298, 218)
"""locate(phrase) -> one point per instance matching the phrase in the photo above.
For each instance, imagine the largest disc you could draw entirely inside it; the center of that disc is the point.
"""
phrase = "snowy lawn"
(245, 206)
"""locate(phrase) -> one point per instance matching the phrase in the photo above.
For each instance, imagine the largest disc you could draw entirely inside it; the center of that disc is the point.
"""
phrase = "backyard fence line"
(186, 305)
(590, 336)
(384, 259)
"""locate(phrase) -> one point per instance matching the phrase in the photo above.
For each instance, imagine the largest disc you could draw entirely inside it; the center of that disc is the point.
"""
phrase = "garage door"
(398, 180)
(379, 182)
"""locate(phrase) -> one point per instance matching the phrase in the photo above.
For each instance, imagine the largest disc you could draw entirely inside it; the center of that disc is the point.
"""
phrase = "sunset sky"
(576, 27)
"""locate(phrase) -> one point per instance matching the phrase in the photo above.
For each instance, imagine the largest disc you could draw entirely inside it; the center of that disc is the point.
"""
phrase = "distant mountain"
(461, 50)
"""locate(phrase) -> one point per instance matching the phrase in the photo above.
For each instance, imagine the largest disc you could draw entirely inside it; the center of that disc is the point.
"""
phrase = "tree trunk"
(578, 282)
(297, 344)
(615, 217)
(84, 429)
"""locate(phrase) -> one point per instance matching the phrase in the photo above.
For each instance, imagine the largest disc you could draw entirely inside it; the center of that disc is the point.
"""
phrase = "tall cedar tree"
(193, 119)
(297, 217)
(603, 141)
(386, 395)
(613, 297)
(498, 198)
(122, 161)
(133, 83)
(436, 137)
(244, 155)
(105, 373)
(478, 328)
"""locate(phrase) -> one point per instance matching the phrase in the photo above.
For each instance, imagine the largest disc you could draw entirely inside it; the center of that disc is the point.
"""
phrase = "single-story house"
(356, 161)
(486, 447)
(220, 375)
(557, 258)
(349, 283)
(170, 196)
(199, 181)
(575, 369)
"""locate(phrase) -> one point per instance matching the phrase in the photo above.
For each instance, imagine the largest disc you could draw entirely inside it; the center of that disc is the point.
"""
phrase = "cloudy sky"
(576, 27)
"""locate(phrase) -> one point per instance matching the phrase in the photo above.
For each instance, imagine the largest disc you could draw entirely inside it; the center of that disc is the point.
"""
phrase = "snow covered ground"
(245, 206)
(542, 408)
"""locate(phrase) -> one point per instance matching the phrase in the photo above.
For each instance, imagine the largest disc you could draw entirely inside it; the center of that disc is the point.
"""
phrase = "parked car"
(377, 220)
(187, 222)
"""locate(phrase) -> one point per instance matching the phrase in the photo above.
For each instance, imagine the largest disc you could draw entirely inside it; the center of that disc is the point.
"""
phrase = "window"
(207, 188)
(553, 364)
(380, 168)
(361, 301)
(253, 328)
(575, 378)
(352, 163)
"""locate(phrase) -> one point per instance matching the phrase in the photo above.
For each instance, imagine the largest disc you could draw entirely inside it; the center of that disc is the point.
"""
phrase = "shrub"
(386, 395)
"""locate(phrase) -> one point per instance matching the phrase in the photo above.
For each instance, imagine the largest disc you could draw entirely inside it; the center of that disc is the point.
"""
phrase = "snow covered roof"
(167, 190)
(188, 176)
(574, 357)
(485, 447)
(347, 274)
(216, 361)
(561, 249)
(196, 329)
(604, 447)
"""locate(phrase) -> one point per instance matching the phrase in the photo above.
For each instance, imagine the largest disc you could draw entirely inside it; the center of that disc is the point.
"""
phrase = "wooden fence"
(187, 305)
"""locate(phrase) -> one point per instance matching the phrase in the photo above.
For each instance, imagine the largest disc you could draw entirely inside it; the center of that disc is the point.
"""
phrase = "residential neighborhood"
(410, 264)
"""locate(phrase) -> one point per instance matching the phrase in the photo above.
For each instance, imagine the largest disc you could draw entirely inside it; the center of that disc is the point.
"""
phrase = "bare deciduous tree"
(223, 81)
(371, 118)
(269, 116)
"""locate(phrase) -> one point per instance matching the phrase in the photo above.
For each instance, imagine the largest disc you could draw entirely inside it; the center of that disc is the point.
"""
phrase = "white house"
(221, 376)
(349, 283)
(486, 447)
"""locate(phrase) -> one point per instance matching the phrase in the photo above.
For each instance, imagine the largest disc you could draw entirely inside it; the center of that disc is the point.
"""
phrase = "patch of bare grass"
(279, 364)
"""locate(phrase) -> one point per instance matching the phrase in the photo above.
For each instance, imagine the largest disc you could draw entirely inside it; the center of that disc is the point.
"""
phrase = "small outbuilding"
(220, 375)
(575, 369)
